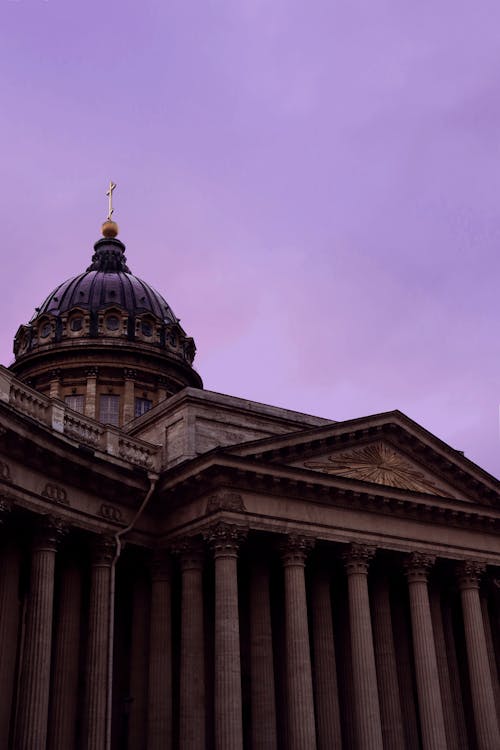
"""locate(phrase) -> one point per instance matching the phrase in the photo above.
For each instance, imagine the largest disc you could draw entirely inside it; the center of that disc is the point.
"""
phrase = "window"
(75, 402)
(146, 328)
(112, 322)
(46, 330)
(142, 405)
(76, 324)
(109, 409)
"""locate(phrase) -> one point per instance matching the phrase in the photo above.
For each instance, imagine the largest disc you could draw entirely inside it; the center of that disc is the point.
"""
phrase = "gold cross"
(109, 193)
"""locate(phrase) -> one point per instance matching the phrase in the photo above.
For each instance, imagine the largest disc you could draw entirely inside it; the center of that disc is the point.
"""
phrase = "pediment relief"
(381, 463)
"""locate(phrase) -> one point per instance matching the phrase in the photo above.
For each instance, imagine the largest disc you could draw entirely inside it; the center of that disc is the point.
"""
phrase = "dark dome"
(107, 282)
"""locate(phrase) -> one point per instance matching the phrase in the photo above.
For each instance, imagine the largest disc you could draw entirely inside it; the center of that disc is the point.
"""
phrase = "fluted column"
(469, 573)
(138, 662)
(262, 693)
(192, 657)
(9, 619)
(454, 672)
(385, 659)
(301, 723)
(404, 659)
(64, 694)
(417, 567)
(325, 668)
(366, 702)
(159, 732)
(225, 539)
(35, 674)
(98, 643)
(490, 648)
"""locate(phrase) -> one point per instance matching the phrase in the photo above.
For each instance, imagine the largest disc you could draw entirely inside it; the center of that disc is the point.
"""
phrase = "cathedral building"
(185, 570)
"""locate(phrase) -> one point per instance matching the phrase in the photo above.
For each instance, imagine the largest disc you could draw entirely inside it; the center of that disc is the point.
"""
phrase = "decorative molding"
(110, 512)
(55, 493)
(295, 549)
(357, 557)
(103, 550)
(92, 372)
(417, 566)
(225, 538)
(225, 500)
(49, 532)
(190, 552)
(5, 472)
(378, 463)
(130, 374)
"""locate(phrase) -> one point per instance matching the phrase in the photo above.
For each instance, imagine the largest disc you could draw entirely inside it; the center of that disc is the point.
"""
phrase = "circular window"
(112, 323)
(76, 324)
(147, 329)
(45, 330)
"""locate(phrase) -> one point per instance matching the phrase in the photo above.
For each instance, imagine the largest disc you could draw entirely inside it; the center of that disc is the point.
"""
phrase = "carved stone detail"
(55, 493)
(295, 549)
(103, 549)
(110, 512)
(225, 538)
(49, 532)
(190, 552)
(379, 463)
(130, 374)
(225, 500)
(417, 566)
(5, 508)
(357, 557)
(469, 573)
(92, 372)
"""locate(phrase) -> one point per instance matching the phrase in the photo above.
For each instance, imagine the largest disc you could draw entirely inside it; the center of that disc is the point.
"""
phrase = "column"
(55, 384)
(454, 672)
(368, 727)
(417, 567)
(139, 655)
(33, 708)
(192, 657)
(449, 709)
(262, 688)
(225, 539)
(301, 723)
(129, 396)
(469, 574)
(100, 610)
(162, 389)
(385, 660)
(490, 648)
(91, 393)
(325, 667)
(159, 732)
(9, 620)
(404, 660)
(64, 694)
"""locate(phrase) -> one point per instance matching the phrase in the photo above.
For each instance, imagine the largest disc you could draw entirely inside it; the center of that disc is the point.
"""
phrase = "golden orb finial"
(109, 229)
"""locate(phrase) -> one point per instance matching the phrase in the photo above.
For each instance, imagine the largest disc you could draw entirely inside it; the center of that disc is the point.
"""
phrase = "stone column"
(387, 671)
(301, 723)
(262, 692)
(192, 657)
(404, 660)
(159, 732)
(103, 552)
(33, 707)
(469, 573)
(417, 567)
(129, 396)
(225, 539)
(10, 560)
(490, 648)
(325, 667)
(368, 726)
(91, 393)
(64, 693)
(450, 719)
(139, 656)
(454, 672)
(55, 384)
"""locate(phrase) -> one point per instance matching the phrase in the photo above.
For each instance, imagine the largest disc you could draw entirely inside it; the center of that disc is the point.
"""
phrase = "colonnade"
(350, 666)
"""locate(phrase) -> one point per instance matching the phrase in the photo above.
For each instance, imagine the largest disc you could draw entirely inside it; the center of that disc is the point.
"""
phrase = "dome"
(107, 283)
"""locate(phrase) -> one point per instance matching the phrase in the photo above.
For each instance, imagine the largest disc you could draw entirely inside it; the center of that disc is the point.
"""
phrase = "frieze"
(55, 493)
(110, 512)
(378, 463)
(229, 501)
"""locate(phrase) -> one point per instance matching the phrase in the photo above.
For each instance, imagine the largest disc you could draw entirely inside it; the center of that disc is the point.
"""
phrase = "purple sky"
(313, 186)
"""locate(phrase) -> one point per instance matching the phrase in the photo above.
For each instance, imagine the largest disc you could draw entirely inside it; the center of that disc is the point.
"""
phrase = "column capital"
(161, 564)
(225, 538)
(357, 557)
(469, 573)
(417, 566)
(103, 550)
(189, 551)
(91, 372)
(295, 549)
(48, 533)
(130, 374)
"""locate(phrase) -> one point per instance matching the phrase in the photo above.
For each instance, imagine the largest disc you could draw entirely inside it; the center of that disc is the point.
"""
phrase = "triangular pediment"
(378, 462)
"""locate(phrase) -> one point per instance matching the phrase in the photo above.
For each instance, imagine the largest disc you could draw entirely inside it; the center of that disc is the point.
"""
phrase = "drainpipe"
(153, 478)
